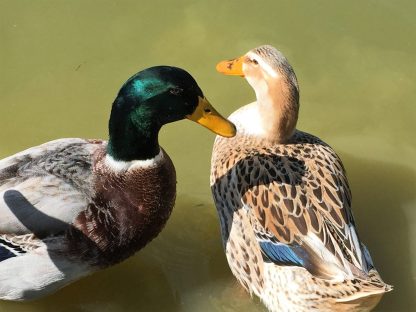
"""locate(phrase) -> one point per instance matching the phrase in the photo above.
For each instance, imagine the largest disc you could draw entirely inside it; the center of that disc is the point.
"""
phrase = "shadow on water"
(381, 192)
(135, 285)
(190, 253)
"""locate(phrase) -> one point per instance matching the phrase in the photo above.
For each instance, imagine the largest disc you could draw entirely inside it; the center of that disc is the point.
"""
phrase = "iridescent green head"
(152, 98)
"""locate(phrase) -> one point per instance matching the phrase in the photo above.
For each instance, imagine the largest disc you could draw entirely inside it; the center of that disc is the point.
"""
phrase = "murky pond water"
(62, 62)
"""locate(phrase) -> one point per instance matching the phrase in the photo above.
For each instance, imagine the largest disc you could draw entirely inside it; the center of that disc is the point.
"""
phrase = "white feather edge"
(315, 243)
(38, 150)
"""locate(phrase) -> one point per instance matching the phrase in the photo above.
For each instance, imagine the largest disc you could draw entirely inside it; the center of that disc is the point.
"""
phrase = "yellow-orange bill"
(206, 115)
(231, 67)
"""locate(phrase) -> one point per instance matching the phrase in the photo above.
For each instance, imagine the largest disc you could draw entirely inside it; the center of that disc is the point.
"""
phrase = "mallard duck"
(284, 202)
(71, 207)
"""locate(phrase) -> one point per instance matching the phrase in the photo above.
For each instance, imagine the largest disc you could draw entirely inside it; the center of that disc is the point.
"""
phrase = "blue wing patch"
(281, 253)
(367, 258)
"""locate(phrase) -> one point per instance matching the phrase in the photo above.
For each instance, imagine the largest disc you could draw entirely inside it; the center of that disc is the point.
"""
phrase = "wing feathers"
(280, 253)
(52, 179)
(297, 192)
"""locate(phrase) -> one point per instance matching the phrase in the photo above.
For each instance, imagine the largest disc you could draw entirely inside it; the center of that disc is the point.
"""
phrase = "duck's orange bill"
(206, 115)
(232, 67)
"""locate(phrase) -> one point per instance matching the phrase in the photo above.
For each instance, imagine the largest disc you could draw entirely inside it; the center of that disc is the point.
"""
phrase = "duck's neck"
(131, 137)
(278, 107)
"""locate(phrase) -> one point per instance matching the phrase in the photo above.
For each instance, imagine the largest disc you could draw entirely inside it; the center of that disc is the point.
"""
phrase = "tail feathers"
(373, 286)
(367, 257)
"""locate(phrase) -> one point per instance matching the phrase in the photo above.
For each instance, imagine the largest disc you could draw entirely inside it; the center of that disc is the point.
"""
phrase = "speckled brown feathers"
(284, 202)
(293, 188)
(286, 193)
(128, 209)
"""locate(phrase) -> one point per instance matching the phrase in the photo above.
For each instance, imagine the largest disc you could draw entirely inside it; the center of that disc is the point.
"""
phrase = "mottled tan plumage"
(281, 191)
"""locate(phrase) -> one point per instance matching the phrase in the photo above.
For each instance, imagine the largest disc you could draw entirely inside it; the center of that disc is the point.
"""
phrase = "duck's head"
(272, 77)
(152, 98)
(260, 66)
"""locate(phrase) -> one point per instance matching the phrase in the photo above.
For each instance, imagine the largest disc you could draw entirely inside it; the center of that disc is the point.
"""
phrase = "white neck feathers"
(248, 120)
(119, 165)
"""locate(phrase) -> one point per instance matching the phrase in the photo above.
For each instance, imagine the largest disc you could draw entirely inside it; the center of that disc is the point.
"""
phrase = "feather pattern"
(298, 203)
(284, 194)
(291, 197)
(45, 177)
(280, 253)
(9, 249)
(66, 213)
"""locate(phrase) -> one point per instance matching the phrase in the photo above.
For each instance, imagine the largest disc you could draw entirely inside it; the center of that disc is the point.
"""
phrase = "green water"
(62, 62)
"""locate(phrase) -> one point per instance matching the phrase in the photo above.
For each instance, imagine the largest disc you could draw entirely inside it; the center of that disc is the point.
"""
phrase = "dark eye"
(175, 91)
(207, 110)
(254, 61)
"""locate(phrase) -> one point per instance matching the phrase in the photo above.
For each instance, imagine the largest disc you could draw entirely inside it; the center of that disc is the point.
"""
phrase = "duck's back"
(286, 219)
(53, 179)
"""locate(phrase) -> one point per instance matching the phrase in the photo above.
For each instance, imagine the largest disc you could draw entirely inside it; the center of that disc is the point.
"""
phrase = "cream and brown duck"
(72, 206)
(284, 202)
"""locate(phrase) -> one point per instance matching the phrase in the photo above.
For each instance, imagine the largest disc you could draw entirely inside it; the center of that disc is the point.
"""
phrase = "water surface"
(62, 62)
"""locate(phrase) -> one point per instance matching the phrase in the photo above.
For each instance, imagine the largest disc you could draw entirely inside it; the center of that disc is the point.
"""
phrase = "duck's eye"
(207, 110)
(175, 91)
(254, 61)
